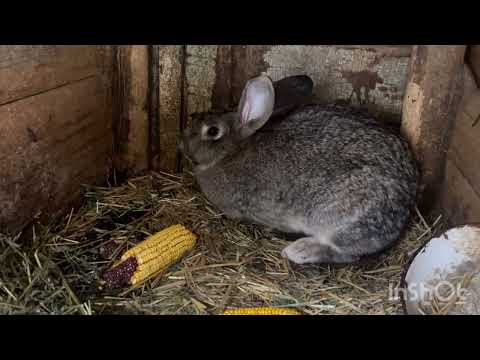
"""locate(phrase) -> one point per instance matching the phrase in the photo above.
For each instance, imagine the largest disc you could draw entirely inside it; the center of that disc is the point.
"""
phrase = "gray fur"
(329, 172)
(292, 91)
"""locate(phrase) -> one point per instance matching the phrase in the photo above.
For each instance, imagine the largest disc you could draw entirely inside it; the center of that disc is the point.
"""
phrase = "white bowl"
(444, 276)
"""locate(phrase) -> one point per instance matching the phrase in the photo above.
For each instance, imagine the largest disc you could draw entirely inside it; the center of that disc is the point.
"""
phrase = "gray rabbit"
(335, 175)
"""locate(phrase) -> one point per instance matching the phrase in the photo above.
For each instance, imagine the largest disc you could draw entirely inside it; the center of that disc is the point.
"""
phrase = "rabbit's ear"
(256, 104)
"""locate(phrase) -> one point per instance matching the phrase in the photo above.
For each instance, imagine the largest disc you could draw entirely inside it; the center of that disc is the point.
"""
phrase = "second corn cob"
(262, 311)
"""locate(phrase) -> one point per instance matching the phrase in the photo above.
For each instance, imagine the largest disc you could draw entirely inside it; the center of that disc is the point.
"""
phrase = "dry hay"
(234, 265)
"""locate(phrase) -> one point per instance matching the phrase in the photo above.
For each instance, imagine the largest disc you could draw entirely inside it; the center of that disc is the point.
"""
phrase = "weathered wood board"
(460, 203)
(432, 101)
(148, 107)
(459, 198)
(371, 76)
(465, 143)
(473, 60)
(67, 110)
(368, 76)
(131, 118)
(171, 112)
(55, 127)
(26, 70)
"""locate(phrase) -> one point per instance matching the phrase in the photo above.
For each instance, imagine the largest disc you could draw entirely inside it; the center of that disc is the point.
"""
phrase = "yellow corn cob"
(262, 311)
(158, 252)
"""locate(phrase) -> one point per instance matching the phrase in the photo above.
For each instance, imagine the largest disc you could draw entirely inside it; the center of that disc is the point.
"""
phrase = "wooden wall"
(459, 199)
(372, 76)
(68, 114)
(198, 78)
(55, 127)
(149, 97)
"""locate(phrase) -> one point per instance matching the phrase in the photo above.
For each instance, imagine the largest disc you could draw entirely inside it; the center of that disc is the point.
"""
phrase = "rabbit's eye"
(213, 131)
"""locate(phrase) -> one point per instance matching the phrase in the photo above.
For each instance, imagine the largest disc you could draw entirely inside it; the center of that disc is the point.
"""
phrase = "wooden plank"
(382, 50)
(26, 70)
(50, 143)
(369, 76)
(373, 77)
(460, 194)
(222, 97)
(432, 100)
(473, 60)
(137, 156)
(56, 187)
(148, 107)
(464, 150)
(170, 100)
(131, 118)
(469, 84)
(200, 77)
(460, 203)
(461, 165)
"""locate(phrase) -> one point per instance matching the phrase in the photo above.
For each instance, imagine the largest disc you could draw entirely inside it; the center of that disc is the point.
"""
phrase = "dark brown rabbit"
(337, 176)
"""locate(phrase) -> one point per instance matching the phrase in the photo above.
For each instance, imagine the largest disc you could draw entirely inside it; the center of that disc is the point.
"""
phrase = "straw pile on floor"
(233, 265)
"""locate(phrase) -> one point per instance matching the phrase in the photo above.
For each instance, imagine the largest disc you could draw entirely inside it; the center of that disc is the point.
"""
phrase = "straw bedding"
(57, 271)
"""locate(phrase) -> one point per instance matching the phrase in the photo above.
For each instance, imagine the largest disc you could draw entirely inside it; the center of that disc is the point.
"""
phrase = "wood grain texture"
(382, 50)
(136, 157)
(148, 107)
(56, 134)
(459, 203)
(460, 193)
(222, 91)
(131, 116)
(473, 60)
(170, 104)
(361, 75)
(432, 100)
(200, 77)
(464, 149)
(26, 70)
